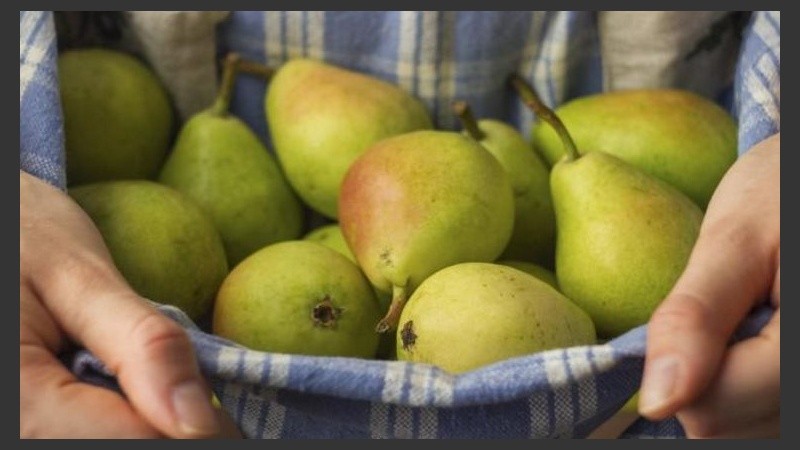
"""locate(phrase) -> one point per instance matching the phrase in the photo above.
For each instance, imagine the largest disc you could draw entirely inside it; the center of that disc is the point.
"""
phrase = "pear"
(472, 314)
(222, 165)
(161, 242)
(322, 117)
(118, 119)
(677, 136)
(328, 311)
(419, 202)
(624, 237)
(331, 236)
(533, 238)
(533, 269)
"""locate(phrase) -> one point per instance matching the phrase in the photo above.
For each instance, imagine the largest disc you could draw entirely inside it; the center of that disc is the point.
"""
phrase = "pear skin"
(624, 238)
(331, 237)
(473, 314)
(298, 297)
(222, 165)
(118, 118)
(416, 203)
(322, 117)
(160, 240)
(677, 136)
(533, 269)
(533, 238)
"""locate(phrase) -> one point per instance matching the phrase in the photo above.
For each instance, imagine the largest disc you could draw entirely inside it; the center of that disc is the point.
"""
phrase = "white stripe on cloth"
(428, 423)
(294, 34)
(406, 49)
(37, 50)
(279, 370)
(581, 368)
(429, 49)
(273, 47)
(557, 376)
(315, 22)
(538, 410)
(403, 422)
(767, 32)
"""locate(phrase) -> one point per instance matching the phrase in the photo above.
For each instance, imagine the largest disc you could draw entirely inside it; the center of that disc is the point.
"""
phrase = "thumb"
(688, 333)
(150, 355)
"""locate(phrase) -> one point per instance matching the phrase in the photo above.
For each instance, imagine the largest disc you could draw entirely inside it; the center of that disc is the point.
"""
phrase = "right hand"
(70, 291)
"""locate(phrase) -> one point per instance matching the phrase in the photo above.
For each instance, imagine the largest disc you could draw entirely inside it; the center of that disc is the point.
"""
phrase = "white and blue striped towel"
(438, 56)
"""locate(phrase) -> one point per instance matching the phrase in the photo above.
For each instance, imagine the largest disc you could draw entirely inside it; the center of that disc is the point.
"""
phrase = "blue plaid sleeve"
(758, 80)
(41, 136)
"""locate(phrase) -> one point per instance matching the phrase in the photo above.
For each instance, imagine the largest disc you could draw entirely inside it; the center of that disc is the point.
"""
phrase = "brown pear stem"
(254, 68)
(233, 64)
(464, 113)
(532, 100)
(229, 70)
(392, 317)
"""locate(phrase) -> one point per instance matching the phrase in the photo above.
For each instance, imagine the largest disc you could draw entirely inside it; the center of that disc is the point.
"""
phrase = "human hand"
(70, 291)
(716, 390)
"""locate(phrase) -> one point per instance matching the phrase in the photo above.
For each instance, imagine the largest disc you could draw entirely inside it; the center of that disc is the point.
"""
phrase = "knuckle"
(679, 312)
(159, 336)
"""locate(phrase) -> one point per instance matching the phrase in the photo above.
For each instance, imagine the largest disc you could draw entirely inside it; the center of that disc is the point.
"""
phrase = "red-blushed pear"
(624, 237)
(419, 202)
(322, 117)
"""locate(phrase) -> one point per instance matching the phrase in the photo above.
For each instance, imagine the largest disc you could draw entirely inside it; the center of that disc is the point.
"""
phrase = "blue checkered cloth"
(439, 57)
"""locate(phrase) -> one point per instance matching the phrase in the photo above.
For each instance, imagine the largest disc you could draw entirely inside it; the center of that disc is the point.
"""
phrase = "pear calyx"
(325, 314)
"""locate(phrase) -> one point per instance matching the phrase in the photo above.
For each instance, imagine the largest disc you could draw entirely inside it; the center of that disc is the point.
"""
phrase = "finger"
(729, 270)
(53, 404)
(746, 391)
(150, 354)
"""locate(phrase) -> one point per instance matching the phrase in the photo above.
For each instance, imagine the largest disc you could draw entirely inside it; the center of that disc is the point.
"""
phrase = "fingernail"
(192, 405)
(658, 384)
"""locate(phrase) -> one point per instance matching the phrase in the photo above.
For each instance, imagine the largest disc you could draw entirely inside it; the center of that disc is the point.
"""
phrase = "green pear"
(533, 269)
(118, 119)
(331, 236)
(677, 136)
(472, 314)
(298, 297)
(161, 242)
(624, 237)
(222, 165)
(533, 238)
(419, 202)
(322, 117)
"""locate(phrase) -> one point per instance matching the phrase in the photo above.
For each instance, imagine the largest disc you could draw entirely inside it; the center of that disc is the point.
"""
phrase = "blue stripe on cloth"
(41, 135)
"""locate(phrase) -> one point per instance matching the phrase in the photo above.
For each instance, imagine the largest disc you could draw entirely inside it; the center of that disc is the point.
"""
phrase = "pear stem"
(254, 68)
(233, 64)
(532, 100)
(223, 100)
(464, 113)
(392, 317)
